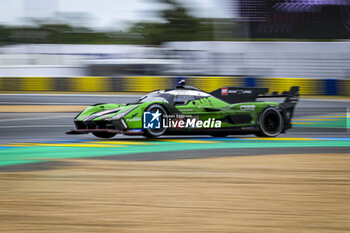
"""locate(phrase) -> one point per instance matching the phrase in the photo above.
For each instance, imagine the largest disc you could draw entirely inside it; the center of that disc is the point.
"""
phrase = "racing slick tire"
(103, 134)
(152, 133)
(271, 122)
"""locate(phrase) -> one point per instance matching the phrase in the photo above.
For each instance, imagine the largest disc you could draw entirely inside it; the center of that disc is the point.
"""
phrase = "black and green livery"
(239, 110)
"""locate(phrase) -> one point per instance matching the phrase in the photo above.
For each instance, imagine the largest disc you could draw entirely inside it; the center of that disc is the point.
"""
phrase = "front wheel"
(271, 123)
(104, 134)
(154, 128)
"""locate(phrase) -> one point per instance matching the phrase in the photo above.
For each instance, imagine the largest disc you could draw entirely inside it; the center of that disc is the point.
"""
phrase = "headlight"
(122, 114)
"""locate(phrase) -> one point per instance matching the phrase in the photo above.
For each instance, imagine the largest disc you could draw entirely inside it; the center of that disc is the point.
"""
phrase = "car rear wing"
(233, 95)
(292, 96)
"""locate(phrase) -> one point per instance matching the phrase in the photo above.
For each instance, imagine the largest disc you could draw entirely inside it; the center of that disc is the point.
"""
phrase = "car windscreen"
(155, 97)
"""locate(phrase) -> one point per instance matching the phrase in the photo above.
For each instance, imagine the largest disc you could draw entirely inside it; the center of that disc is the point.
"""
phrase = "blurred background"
(142, 45)
(59, 56)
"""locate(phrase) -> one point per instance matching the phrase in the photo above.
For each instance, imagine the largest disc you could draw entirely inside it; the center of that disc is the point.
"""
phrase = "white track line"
(43, 103)
(35, 113)
(34, 126)
(324, 100)
(33, 118)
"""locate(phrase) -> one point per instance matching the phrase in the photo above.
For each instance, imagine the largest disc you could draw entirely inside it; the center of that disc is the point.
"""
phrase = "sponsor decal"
(227, 91)
(156, 121)
(247, 107)
(248, 128)
(134, 119)
(240, 91)
(135, 130)
(224, 91)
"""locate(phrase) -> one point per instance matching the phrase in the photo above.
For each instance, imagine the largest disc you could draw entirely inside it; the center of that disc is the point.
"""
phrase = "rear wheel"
(104, 134)
(155, 132)
(271, 123)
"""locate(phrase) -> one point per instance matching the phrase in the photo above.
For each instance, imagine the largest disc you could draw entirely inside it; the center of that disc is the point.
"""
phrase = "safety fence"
(308, 86)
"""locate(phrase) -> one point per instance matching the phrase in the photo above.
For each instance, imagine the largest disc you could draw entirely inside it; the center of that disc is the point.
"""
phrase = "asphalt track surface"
(34, 128)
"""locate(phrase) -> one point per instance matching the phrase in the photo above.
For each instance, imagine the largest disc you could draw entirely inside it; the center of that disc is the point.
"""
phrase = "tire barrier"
(308, 86)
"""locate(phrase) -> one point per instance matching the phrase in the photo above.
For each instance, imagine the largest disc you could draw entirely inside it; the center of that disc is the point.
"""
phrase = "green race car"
(187, 110)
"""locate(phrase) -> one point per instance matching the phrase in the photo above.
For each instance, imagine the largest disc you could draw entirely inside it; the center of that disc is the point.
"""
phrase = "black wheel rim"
(272, 122)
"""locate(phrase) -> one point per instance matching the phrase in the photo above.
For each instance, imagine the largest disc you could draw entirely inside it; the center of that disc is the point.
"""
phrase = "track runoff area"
(53, 182)
(32, 131)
